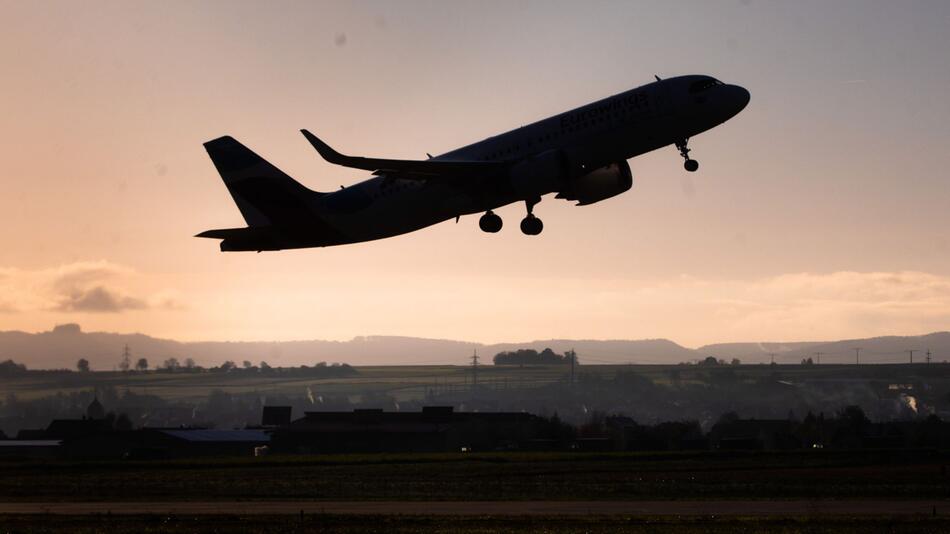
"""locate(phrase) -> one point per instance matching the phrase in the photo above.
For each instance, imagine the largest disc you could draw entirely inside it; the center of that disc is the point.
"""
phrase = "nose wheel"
(690, 165)
(531, 225)
(490, 222)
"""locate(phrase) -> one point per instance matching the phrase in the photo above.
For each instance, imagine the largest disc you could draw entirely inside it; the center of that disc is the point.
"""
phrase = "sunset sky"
(821, 212)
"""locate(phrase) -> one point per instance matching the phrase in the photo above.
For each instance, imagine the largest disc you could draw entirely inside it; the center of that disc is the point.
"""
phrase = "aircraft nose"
(740, 96)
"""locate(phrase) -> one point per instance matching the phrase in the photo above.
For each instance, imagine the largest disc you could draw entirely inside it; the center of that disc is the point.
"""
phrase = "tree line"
(533, 357)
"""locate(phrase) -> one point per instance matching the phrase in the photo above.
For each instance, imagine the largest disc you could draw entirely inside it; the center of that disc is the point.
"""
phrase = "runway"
(494, 508)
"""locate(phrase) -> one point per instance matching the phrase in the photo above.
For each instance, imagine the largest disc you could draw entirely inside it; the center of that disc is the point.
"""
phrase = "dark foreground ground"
(808, 475)
(465, 524)
(806, 491)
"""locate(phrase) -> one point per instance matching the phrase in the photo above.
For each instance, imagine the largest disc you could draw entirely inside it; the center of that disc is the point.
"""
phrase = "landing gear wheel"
(490, 222)
(531, 225)
(690, 165)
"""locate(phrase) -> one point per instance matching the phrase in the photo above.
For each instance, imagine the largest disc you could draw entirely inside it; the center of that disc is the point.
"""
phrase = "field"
(894, 475)
(406, 383)
(348, 524)
(899, 489)
(401, 382)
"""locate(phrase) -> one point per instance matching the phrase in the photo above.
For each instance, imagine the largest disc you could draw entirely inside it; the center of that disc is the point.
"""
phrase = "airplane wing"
(409, 169)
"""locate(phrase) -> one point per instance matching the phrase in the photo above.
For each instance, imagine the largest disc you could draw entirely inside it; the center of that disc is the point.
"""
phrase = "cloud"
(99, 299)
(167, 300)
(812, 305)
(82, 287)
(67, 278)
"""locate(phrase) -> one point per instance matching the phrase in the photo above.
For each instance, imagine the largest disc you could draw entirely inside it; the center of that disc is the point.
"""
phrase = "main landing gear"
(690, 165)
(531, 225)
(490, 222)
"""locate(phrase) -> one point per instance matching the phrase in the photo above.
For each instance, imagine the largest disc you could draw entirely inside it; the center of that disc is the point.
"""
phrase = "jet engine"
(599, 184)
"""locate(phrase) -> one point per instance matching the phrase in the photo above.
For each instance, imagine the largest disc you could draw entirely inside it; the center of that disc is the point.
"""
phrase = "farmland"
(405, 383)
(892, 475)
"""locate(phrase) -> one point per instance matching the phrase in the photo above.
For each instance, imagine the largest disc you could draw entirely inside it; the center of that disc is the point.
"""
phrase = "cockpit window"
(703, 85)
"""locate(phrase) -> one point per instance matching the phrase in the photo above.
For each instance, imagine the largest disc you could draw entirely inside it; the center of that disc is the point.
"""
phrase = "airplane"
(581, 155)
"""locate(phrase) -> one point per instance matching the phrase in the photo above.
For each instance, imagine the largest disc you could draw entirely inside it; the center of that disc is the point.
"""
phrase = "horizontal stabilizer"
(232, 233)
(409, 169)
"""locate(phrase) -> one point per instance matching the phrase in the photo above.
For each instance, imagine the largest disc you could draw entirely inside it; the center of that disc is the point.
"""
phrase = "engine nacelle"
(541, 174)
(599, 184)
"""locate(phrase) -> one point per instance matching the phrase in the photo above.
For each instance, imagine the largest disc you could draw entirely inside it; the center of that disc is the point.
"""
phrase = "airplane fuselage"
(581, 140)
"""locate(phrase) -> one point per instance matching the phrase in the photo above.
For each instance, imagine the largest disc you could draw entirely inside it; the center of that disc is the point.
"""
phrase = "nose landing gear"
(490, 222)
(690, 165)
(531, 225)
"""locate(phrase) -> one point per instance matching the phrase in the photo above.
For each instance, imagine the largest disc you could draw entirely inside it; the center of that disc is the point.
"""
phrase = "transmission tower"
(126, 362)
(474, 369)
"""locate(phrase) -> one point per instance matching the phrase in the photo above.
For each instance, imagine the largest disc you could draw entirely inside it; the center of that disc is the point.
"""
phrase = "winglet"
(325, 151)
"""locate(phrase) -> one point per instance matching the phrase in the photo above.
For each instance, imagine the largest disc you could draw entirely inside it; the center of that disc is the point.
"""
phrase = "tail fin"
(264, 194)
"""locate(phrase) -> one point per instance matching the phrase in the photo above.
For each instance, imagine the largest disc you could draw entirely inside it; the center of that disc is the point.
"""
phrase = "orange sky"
(820, 212)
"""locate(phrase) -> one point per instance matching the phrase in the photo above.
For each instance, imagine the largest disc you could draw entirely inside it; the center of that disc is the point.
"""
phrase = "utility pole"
(772, 358)
(857, 355)
(911, 352)
(475, 370)
(818, 358)
(573, 360)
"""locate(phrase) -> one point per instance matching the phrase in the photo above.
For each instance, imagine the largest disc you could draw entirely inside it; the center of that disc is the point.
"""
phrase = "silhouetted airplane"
(581, 155)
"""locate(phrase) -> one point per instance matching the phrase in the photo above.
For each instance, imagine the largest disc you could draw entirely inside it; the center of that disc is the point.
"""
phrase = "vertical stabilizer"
(265, 195)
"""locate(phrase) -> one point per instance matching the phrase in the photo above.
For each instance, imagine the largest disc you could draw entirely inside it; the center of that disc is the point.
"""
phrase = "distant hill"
(873, 350)
(62, 346)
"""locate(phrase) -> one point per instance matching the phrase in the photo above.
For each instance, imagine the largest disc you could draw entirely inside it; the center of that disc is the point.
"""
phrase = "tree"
(531, 357)
(247, 364)
(11, 368)
(571, 356)
(171, 364)
(710, 361)
(735, 361)
(228, 365)
(265, 366)
(141, 365)
(82, 365)
(190, 363)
